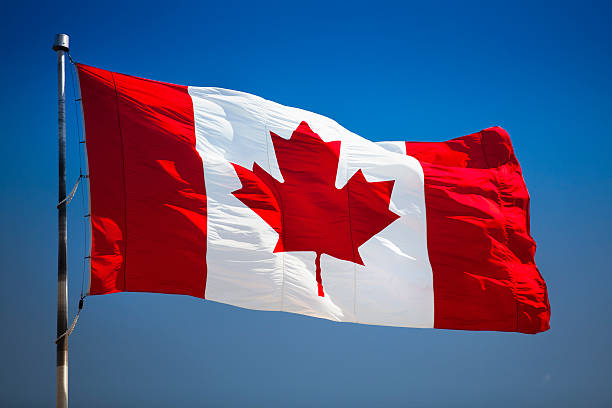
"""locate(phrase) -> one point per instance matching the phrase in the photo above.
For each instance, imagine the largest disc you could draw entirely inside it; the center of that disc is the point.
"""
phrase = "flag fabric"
(229, 197)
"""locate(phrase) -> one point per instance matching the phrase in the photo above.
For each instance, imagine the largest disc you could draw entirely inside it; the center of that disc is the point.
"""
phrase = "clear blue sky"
(406, 71)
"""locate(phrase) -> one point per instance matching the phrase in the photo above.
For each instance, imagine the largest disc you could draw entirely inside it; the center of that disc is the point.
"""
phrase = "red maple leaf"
(306, 210)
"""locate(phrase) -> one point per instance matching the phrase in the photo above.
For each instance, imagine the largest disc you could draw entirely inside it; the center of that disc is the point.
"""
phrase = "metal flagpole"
(61, 46)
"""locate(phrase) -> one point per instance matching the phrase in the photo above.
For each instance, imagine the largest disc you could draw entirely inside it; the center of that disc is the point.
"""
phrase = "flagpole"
(61, 46)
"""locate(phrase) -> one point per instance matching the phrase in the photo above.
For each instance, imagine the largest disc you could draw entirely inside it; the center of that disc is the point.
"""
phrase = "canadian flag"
(229, 197)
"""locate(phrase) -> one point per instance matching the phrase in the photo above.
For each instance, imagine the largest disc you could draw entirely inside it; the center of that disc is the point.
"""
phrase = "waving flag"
(226, 196)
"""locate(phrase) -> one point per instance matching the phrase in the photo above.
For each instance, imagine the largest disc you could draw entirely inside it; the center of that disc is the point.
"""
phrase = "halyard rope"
(68, 332)
(70, 196)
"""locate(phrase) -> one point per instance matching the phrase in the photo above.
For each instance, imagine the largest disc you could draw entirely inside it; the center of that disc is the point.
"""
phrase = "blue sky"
(388, 71)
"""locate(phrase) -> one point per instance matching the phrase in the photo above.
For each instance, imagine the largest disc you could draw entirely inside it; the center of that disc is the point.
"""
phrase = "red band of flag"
(148, 201)
(480, 248)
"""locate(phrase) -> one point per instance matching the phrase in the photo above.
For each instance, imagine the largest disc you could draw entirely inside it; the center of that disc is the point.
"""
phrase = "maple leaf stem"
(318, 270)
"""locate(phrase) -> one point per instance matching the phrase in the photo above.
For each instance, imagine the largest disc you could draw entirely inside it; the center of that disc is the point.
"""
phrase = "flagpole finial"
(62, 42)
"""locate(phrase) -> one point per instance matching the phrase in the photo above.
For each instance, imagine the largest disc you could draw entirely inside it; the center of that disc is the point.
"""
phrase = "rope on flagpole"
(70, 196)
(68, 332)
(81, 153)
